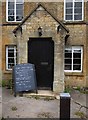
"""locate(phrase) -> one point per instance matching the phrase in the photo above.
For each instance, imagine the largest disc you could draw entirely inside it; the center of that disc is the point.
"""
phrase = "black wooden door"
(41, 53)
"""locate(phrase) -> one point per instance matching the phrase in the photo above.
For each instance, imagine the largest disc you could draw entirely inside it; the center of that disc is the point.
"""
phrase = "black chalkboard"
(24, 78)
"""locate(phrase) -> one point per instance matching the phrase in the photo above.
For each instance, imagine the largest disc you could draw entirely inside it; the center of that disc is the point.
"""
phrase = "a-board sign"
(24, 77)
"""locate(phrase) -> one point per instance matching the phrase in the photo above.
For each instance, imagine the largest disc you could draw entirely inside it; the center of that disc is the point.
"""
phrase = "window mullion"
(15, 9)
(81, 57)
(15, 55)
(7, 10)
(64, 9)
(6, 57)
(82, 9)
(72, 58)
(11, 58)
(73, 10)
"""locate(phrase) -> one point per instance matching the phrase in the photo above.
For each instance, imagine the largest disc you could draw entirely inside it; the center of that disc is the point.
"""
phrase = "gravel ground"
(23, 107)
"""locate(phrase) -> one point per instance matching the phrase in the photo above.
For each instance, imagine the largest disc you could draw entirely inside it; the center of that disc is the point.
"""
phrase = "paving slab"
(25, 107)
(0, 102)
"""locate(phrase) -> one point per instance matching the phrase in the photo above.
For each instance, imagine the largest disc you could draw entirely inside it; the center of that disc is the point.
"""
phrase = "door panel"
(41, 53)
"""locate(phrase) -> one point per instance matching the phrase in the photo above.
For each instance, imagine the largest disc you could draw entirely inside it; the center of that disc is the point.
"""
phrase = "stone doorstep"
(42, 94)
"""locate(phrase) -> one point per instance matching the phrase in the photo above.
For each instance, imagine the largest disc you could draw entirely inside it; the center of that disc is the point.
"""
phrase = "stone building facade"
(70, 38)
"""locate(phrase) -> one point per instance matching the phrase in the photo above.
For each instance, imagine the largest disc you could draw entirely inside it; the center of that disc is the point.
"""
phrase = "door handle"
(44, 63)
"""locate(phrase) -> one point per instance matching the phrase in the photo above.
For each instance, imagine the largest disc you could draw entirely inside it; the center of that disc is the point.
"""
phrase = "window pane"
(10, 60)
(78, 17)
(77, 61)
(69, 11)
(68, 61)
(10, 12)
(11, 18)
(77, 50)
(10, 66)
(69, 0)
(10, 47)
(77, 55)
(69, 4)
(78, 11)
(76, 67)
(78, 4)
(68, 55)
(68, 50)
(19, 18)
(11, 50)
(10, 5)
(19, 6)
(10, 53)
(11, 0)
(69, 17)
(19, 12)
(19, 1)
(68, 67)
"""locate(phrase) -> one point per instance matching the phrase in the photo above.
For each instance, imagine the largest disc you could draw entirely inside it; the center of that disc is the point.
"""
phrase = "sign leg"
(15, 94)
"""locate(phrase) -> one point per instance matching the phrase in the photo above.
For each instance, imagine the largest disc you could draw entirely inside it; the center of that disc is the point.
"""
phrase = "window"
(73, 10)
(11, 57)
(14, 10)
(73, 59)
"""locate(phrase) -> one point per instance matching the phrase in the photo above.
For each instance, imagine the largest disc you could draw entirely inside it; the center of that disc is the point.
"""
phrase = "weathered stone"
(78, 36)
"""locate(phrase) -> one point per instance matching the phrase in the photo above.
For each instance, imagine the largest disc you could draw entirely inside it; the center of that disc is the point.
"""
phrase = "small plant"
(9, 84)
(4, 83)
(49, 98)
(45, 115)
(80, 114)
(68, 89)
(14, 108)
(78, 88)
(3, 118)
(36, 97)
(0, 82)
(83, 90)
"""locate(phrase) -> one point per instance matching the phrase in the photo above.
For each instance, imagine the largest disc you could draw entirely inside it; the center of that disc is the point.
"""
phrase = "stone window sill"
(74, 22)
(8, 72)
(74, 74)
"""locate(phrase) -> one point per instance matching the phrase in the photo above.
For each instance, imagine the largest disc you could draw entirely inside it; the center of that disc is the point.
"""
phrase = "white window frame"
(14, 10)
(73, 10)
(75, 48)
(15, 55)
